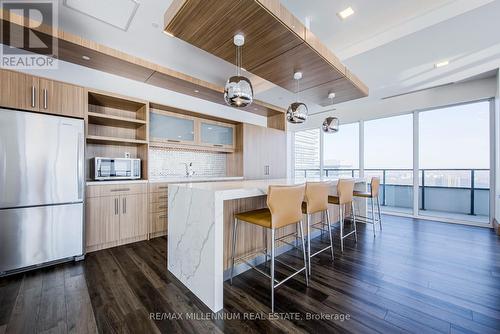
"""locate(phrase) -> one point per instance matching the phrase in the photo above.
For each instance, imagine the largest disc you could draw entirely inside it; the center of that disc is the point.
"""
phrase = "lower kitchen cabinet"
(103, 221)
(133, 216)
(158, 209)
(115, 215)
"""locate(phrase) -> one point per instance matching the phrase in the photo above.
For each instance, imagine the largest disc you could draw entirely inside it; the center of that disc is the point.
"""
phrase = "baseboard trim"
(496, 226)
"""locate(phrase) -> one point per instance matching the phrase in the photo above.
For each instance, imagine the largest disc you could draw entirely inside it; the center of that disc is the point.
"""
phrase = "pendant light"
(297, 111)
(238, 91)
(331, 124)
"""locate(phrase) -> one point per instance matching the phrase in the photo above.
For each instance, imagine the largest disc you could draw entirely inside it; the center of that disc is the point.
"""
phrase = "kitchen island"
(200, 225)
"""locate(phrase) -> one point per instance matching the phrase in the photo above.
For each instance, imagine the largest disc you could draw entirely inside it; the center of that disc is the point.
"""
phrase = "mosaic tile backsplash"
(167, 162)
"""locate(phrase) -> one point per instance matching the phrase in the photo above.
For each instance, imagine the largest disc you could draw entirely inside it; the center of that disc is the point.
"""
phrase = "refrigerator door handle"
(79, 163)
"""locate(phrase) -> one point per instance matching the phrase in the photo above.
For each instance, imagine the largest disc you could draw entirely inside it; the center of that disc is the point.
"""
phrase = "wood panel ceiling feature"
(276, 42)
(71, 48)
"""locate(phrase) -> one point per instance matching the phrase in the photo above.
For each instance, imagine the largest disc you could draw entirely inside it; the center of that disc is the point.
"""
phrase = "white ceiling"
(392, 45)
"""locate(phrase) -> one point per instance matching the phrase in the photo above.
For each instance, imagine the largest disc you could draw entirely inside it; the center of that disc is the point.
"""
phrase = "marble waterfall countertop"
(194, 179)
(250, 188)
(196, 230)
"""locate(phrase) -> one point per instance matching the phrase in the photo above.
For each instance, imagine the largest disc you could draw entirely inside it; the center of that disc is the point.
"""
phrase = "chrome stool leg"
(304, 251)
(373, 217)
(235, 226)
(265, 246)
(330, 233)
(308, 225)
(341, 212)
(272, 270)
(354, 222)
(379, 215)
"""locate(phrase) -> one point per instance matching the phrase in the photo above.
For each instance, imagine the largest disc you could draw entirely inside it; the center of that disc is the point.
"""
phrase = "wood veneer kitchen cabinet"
(133, 215)
(61, 98)
(18, 90)
(102, 221)
(27, 92)
(115, 215)
(158, 209)
(264, 152)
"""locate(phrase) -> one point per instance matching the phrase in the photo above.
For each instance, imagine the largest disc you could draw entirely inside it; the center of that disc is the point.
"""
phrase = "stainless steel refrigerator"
(41, 189)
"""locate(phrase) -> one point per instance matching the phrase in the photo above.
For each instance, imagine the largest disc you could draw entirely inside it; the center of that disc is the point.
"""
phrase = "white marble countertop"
(169, 180)
(102, 183)
(249, 188)
(195, 179)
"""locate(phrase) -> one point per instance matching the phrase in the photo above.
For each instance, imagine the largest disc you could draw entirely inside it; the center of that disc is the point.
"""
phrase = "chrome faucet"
(189, 169)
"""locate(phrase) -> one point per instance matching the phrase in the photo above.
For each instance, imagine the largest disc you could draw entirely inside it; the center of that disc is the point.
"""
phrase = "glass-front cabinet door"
(171, 128)
(217, 134)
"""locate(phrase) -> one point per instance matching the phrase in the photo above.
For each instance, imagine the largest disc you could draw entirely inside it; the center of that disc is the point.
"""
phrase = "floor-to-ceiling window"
(454, 160)
(341, 152)
(388, 154)
(307, 153)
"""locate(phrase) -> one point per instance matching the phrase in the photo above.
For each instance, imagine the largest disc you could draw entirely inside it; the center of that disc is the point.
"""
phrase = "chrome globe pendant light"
(238, 91)
(331, 124)
(297, 111)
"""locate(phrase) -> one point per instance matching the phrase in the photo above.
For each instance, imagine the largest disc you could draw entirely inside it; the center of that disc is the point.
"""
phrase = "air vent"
(416, 91)
(117, 13)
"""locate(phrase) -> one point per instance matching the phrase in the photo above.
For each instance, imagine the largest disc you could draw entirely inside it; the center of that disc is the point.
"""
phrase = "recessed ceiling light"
(209, 128)
(85, 57)
(168, 33)
(345, 13)
(441, 64)
(196, 91)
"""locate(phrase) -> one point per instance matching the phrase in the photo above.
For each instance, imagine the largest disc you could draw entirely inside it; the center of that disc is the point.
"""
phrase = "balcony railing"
(457, 191)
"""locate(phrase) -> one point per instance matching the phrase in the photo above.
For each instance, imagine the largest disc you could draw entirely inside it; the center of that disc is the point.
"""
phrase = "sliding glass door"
(454, 160)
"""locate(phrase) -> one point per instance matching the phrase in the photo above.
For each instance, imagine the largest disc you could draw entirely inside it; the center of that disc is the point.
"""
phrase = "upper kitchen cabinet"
(169, 127)
(26, 92)
(176, 128)
(18, 90)
(264, 152)
(217, 134)
(61, 98)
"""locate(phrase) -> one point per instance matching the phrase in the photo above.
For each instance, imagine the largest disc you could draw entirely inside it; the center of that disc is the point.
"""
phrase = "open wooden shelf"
(115, 121)
(114, 141)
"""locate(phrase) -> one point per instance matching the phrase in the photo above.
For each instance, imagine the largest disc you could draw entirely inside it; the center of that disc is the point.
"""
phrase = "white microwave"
(115, 169)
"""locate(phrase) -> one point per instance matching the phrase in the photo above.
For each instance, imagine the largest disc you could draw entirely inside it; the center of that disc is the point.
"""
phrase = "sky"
(451, 137)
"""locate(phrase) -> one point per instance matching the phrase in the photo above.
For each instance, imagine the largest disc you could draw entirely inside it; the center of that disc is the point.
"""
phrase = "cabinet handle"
(33, 96)
(163, 187)
(162, 216)
(162, 197)
(162, 206)
(116, 206)
(218, 145)
(45, 99)
(124, 205)
(120, 189)
(173, 141)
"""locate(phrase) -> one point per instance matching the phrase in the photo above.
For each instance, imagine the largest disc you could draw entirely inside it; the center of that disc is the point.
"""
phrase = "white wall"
(366, 109)
(87, 77)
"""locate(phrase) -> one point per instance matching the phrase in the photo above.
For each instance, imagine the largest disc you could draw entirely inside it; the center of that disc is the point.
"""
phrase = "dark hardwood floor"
(415, 276)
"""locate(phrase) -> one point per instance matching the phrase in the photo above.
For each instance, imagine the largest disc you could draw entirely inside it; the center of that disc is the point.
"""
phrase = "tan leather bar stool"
(284, 209)
(345, 189)
(316, 201)
(372, 194)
